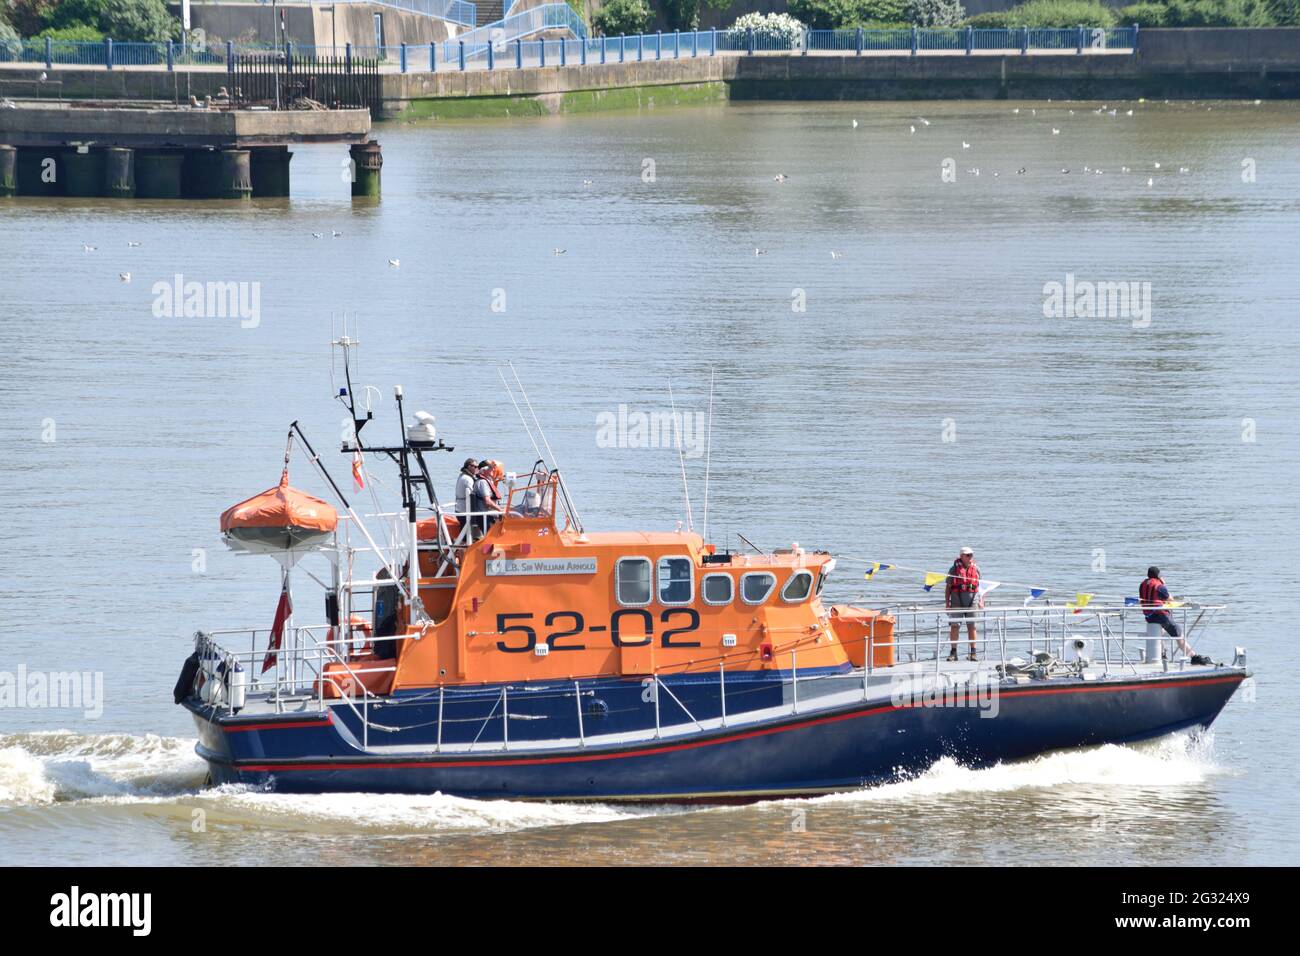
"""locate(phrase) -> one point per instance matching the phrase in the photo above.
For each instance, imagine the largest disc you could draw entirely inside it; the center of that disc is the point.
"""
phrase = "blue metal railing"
(506, 44)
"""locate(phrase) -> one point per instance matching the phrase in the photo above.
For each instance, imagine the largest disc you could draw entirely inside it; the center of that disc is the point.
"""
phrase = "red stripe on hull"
(757, 732)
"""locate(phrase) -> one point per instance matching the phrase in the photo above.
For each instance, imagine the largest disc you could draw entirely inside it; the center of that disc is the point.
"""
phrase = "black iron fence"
(295, 81)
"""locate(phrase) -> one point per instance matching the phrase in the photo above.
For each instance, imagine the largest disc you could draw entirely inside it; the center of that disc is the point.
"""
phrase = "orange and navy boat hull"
(826, 750)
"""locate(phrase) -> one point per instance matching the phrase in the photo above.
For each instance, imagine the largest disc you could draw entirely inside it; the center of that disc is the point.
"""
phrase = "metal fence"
(504, 46)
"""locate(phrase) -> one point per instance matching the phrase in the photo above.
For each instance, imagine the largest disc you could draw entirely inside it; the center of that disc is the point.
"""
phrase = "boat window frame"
(757, 574)
(822, 575)
(658, 583)
(618, 580)
(798, 573)
(731, 591)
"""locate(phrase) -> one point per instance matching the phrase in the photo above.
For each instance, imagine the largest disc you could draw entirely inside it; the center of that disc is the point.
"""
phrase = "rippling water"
(1072, 435)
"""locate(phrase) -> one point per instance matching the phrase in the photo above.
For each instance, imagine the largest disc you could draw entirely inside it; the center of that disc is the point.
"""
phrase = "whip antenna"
(677, 433)
(708, 450)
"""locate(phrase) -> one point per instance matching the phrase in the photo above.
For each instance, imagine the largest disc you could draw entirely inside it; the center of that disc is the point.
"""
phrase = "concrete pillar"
(236, 178)
(119, 172)
(199, 173)
(367, 161)
(269, 166)
(217, 174)
(158, 175)
(8, 171)
(83, 172)
(40, 171)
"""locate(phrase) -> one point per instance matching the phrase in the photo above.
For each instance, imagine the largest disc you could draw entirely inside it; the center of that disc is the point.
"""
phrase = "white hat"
(967, 551)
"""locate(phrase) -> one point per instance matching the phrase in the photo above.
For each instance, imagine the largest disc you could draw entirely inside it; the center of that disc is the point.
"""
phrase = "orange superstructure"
(532, 601)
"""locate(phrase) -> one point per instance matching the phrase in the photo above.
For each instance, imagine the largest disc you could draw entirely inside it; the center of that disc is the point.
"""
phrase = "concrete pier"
(164, 152)
(269, 166)
(367, 163)
(119, 172)
(8, 171)
(158, 175)
(83, 172)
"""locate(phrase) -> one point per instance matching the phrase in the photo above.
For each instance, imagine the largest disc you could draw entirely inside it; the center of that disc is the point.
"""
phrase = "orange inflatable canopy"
(279, 519)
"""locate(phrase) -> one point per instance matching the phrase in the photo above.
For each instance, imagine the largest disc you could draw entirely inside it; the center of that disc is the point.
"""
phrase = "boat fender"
(238, 681)
(185, 683)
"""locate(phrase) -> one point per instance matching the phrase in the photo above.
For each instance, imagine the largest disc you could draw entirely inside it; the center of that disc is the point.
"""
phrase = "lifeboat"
(513, 653)
(281, 521)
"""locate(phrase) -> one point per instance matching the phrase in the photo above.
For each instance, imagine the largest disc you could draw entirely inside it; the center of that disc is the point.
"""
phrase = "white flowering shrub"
(935, 13)
(776, 29)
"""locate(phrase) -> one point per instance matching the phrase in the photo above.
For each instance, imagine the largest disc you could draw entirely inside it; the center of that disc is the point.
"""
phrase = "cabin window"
(755, 587)
(632, 581)
(798, 587)
(821, 582)
(676, 580)
(718, 589)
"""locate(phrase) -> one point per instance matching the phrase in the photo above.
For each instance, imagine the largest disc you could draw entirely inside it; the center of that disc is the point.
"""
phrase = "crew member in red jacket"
(1153, 596)
(960, 596)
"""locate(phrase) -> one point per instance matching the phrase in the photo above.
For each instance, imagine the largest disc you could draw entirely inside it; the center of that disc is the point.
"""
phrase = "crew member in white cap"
(960, 595)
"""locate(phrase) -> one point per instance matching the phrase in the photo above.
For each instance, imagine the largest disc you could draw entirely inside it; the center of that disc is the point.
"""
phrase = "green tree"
(832, 14)
(30, 17)
(622, 17)
(119, 19)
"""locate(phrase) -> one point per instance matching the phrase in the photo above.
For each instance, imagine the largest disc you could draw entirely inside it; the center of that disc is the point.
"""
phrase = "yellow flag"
(932, 578)
(1082, 598)
(1174, 603)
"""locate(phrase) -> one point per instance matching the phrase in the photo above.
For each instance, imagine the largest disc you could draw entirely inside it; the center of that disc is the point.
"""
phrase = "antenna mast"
(708, 456)
(677, 433)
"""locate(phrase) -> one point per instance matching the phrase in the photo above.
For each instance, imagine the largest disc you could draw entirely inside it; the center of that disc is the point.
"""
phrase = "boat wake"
(59, 765)
(1172, 761)
(113, 774)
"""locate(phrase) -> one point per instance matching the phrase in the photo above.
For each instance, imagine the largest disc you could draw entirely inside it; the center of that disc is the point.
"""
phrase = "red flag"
(357, 478)
(282, 612)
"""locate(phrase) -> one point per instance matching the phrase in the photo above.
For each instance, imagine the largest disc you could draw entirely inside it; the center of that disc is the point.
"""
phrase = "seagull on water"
(836, 255)
(780, 178)
(124, 276)
(334, 233)
(913, 129)
(315, 235)
(87, 248)
(924, 121)
(131, 244)
(1150, 181)
(759, 252)
(1055, 131)
(394, 263)
(965, 145)
(855, 124)
(558, 251)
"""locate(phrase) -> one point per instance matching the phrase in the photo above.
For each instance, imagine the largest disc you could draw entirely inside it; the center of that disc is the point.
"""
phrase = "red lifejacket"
(1149, 596)
(965, 580)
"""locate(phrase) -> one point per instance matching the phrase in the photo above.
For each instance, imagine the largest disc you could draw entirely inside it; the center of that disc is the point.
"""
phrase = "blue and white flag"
(1034, 595)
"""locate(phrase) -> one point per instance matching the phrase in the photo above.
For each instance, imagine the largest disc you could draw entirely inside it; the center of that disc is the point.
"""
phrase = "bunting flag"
(1172, 603)
(358, 480)
(1034, 595)
(1130, 602)
(1081, 601)
(282, 612)
(932, 578)
(877, 566)
(987, 586)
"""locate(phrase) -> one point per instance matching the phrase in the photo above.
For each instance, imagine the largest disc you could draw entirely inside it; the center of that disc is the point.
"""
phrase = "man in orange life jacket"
(1152, 595)
(961, 594)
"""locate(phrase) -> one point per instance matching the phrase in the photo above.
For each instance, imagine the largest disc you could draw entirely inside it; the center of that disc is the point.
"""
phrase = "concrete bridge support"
(269, 168)
(83, 172)
(8, 171)
(367, 162)
(158, 175)
(119, 172)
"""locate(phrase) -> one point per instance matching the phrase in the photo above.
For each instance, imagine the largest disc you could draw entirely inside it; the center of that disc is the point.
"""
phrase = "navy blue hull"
(830, 750)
